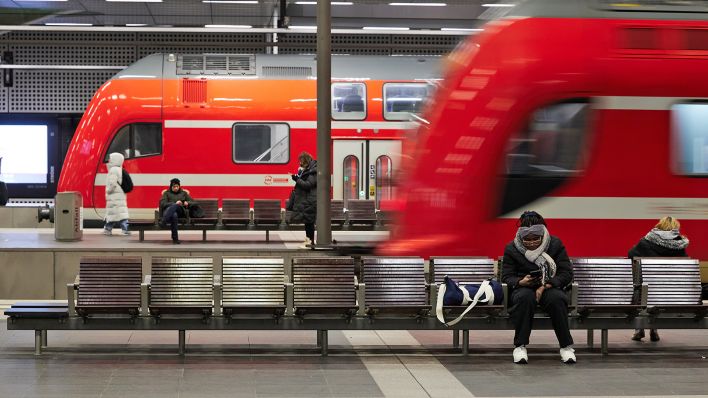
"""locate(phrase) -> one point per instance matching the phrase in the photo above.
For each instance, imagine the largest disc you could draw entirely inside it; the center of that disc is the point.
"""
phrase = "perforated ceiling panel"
(114, 55)
(3, 90)
(147, 50)
(306, 43)
(54, 91)
(69, 37)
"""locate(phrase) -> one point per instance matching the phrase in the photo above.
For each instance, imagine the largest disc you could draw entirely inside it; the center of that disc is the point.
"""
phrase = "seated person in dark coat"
(537, 268)
(664, 240)
(173, 203)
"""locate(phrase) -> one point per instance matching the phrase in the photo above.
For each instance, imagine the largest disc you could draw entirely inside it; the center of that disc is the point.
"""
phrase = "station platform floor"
(111, 364)
(360, 364)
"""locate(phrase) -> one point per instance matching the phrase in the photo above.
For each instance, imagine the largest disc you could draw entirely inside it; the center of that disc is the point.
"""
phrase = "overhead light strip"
(384, 28)
(231, 1)
(419, 4)
(461, 30)
(67, 24)
(229, 26)
(334, 3)
(134, 1)
(498, 5)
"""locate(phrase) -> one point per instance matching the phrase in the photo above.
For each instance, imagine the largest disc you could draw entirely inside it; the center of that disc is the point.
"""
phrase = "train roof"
(696, 10)
(277, 67)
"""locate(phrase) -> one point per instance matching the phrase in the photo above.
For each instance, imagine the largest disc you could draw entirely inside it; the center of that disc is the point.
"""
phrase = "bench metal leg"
(267, 235)
(204, 235)
(603, 341)
(319, 338)
(181, 350)
(455, 338)
(465, 342)
(37, 342)
(324, 342)
(591, 339)
(141, 235)
(44, 338)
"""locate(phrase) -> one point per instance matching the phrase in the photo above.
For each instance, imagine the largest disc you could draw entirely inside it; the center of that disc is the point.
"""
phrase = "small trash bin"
(68, 217)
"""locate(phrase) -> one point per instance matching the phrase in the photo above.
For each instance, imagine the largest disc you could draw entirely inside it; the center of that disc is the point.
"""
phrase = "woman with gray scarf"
(664, 240)
(537, 268)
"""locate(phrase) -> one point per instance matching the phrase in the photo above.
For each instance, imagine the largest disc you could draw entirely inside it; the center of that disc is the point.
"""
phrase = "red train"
(231, 126)
(593, 113)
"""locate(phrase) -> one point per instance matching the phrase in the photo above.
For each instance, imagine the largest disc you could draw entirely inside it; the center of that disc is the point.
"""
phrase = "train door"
(364, 169)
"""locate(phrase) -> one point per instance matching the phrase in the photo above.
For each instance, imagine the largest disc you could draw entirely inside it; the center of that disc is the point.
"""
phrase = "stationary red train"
(231, 126)
(593, 113)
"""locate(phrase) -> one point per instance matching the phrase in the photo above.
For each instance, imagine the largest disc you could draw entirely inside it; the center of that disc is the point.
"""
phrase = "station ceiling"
(346, 14)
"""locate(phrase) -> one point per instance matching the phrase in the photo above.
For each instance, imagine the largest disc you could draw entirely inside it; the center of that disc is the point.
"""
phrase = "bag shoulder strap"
(484, 288)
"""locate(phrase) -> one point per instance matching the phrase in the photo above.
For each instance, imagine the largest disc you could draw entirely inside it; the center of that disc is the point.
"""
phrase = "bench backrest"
(236, 210)
(324, 281)
(671, 280)
(394, 281)
(603, 281)
(109, 282)
(336, 208)
(253, 281)
(463, 270)
(266, 211)
(182, 282)
(211, 211)
(361, 210)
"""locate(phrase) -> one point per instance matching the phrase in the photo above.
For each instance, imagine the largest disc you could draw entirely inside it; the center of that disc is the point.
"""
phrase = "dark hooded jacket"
(304, 196)
(648, 248)
(515, 265)
(169, 197)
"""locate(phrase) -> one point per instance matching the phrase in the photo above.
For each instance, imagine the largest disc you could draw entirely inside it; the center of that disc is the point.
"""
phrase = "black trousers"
(553, 301)
(310, 231)
(171, 216)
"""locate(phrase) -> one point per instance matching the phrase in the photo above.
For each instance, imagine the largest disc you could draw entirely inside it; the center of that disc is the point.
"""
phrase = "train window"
(348, 101)
(690, 139)
(261, 143)
(137, 140)
(545, 153)
(402, 99)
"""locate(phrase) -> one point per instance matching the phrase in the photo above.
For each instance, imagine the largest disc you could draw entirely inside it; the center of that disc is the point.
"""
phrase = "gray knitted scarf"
(669, 239)
(539, 256)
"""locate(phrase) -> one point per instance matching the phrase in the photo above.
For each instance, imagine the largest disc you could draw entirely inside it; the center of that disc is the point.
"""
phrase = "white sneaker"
(126, 232)
(567, 355)
(520, 355)
(107, 232)
(306, 244)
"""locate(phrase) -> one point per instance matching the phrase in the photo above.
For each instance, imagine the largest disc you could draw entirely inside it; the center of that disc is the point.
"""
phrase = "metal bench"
(253, 285)
(108, 285)
(605, 288)
(464, 270)
(361, 211)
(337, 215)
(323, 287)
(236, 212)
(266, 215)
(181, 285)
(395, 285)
(40, 311)
(674, 285)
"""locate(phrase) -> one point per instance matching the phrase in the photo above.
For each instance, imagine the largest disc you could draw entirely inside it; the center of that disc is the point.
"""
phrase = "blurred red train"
(593, 113)
(231, 126)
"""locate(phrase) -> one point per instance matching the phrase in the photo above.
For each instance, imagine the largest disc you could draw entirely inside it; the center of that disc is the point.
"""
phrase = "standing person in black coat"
(537, 268)
(664, 240)
(303, 200)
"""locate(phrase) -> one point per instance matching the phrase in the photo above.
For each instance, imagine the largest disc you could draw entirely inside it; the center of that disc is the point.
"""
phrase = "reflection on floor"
(361, 364)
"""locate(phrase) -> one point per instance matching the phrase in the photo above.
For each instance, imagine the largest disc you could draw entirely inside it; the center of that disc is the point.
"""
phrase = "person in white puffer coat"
(116, 201)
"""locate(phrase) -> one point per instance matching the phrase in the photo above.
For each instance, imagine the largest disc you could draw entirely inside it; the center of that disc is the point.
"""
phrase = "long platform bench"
(342, 293)
(266, 215)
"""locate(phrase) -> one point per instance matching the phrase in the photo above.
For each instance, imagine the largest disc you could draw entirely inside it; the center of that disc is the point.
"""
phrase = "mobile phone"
(536, 273)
